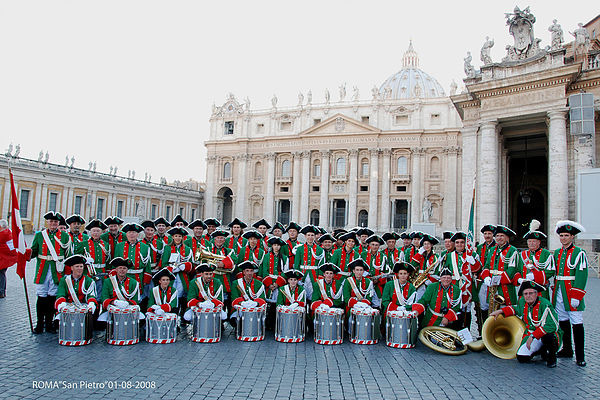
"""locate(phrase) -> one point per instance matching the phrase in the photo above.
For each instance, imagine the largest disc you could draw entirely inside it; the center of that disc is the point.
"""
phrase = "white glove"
(529, 265)
(366, 273)
(323, 307)
(574, 303)
(154, 308)
(206, 305)
(121, 304)
(294, 306)
(520, 280)
(529, 276)
(249, 304)
(62, 306)
(180, 267)
(421, 250)
(159, 311)
(470, 259)
(90, 260)
(91, 307)
(487, 281)
(360, 305)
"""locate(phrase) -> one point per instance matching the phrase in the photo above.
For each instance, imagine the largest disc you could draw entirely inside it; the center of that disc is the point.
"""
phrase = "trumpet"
(204, 255)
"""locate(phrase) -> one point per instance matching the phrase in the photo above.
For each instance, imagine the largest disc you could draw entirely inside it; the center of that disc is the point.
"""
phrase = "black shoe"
(38, 329)
(564, 353)
(551, 364)
(581, 363)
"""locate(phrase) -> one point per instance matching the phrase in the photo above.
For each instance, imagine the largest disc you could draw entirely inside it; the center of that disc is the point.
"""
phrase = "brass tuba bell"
(502, 336)
(443, 340)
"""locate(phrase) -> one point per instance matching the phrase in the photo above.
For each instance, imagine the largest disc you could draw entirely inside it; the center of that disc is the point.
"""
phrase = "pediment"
(339, 124)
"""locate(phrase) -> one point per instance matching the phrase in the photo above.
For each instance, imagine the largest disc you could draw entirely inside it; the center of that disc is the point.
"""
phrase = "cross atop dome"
(410, 59)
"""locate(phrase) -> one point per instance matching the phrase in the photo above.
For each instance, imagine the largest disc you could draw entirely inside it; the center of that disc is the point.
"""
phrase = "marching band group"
(162, 268)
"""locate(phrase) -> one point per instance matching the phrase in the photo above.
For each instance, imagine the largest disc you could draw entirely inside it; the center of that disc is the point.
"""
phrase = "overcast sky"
(131, 83)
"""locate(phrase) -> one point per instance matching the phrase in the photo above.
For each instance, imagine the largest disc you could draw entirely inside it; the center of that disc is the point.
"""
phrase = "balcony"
(338, 179)
(401, 178)
(283, 180)
(225, 181)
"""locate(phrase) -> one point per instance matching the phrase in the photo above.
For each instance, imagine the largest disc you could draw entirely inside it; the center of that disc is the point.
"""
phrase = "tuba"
(204, 255)
(443, 340)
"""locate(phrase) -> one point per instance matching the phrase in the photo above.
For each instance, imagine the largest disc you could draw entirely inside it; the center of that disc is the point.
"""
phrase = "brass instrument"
(418, 280)
(443, 340)
(204, 255)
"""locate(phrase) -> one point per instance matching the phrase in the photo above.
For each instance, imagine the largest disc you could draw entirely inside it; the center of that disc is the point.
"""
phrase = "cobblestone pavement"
(268, 370)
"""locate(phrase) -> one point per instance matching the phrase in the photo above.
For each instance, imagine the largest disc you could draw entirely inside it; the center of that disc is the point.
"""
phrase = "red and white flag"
(17, 231)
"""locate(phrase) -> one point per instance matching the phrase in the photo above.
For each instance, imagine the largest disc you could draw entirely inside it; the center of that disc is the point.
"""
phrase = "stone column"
(37, 214)
(450, 188)
(240, 205)
(304, 191)
(69, 202)
(296, 176)
(373, 188)
(489, 181)
(352, 188)
(324, 203)
(558, 177)
(209, 193)
(270, 182)
(469, 167)
(415, 182)
(384, 218)
(92, 210)
(44, 201)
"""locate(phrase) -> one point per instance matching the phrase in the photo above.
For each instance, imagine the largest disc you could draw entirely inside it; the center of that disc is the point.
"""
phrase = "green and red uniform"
(139, 254)
(60, 241)
(437, 303)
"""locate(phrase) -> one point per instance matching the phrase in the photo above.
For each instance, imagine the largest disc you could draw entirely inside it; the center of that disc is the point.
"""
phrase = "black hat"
(113, 221)
(148, 224)
(177, 231)
(329, 267)
(278, 225)
(459, 235)
(96, 223)
(247, 265)
(118, 261)
(197, 222)
(447, 235)
(237, 221)
(205, 267)
(390, 236)
(567, 226)
(212, 221)
(375, 238)
(293, 225)
(163, 272)
(416, 235)
(326, 236)
(53, 216)
(338, 232)
(257, 224)
(530, 285)
(276, 240)
(75, 259)
(309, 229)
(75, 218)
(219, 232)
(535, 235)
(348, 235)
(505, 230)
(322, 230)
(445, 271)
(488, 228)
(402, 265)
(293, 274)
(364, 231)
(179, 218)
(428, 238)
(132, 227)
(61, 221)
(359, 262)
(161, 220)
(252, 233)
(405, 235)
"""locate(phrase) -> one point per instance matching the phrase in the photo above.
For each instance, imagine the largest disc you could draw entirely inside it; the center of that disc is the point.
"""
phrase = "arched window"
(317, 168)
(286, 170)
(402, 166)
(314, 217)
(363, 218)
(258, 171)
(434, 167)
(227, 170)
(340, 166)
(364, 168)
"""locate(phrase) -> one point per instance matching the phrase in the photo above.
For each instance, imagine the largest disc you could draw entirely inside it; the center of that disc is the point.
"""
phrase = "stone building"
(43, 186)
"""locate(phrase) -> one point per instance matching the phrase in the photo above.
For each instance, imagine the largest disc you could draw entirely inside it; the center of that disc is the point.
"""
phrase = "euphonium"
(202, 254)
(443, 340)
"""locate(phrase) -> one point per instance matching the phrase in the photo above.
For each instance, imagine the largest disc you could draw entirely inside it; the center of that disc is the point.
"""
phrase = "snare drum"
(75, 327)
(161, 328)
(251, 323)
(290, 325)
(401, 329)
(364, 326)
(206, 324)
(123, 325)
(329, 326)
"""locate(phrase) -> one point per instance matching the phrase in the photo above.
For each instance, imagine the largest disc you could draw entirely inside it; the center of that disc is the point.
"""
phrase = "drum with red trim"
(206, 324)
(161, 329)
(364, 326)
(401, 329)
(251, 323)
(75, 327)
(123, 325)
(329, 326)
(290, 324)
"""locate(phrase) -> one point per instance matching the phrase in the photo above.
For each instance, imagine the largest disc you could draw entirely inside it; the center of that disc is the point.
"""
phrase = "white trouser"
(535, 346)
(483, 292)
(179, 286)
(421, 291)
(576, 317)
(48, 288)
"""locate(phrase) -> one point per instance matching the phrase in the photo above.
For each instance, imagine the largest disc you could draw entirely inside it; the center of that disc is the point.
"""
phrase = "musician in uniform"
(155, 245)
(113, 236)
(406, 245)
(391, 252)
(247, 288)
(292, 293)
(378, 265)
(96, 252)
(211, 225)
(326, 242)
(440, 303)
(119, 288)
(179, 257)
(448, 243)
(337, 234)
(398, 293)
(536, 263)
(292, 230)
(308, 257)
(75, 222)
(542, 334)
(226, 264)
(139, 255)
(49, 246)
(424, 260)
(163, 297)
(235, 241)
(179, 222)
(569, 289)
(161, 225)
(204, 288)
(62, 224)
(76, 288)
(197, 239)
(483, 249)
(252, 251)
(262, 227)
(277, 229)
(357, 287)
(363, 234)
(327, 291)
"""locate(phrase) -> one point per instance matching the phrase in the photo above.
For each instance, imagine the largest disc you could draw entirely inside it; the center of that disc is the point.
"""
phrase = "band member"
(337, 234)
(75, 222)
(399, 293)
(205, 288)
(541, 335)
(391, 252)
(308, 258)
(272, 267)
(236, 241)
(326, 242)
(289, 250)
(226, 264)
(62, 224)
(179, 222)
(415, 242)
(377, 262)
(96, 251)
(211, 225)
(535, 264)
(262, 227)
(197, 239)
(119, 288)
(138, 253)
(163, 297)
(569, 289)
(448, 243)
(76, 288)
(252, 250)
(277, 229)
(114, 236)
(161, 225)
(49, 246)
(406, 245)
(363, 234)
(155, 245)
(357, 287)
(327, 291)
(441, 302)
(483, 249)
(344, 256)
(292, 293)
(247, 288)
(179, 257)
(499, 270)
